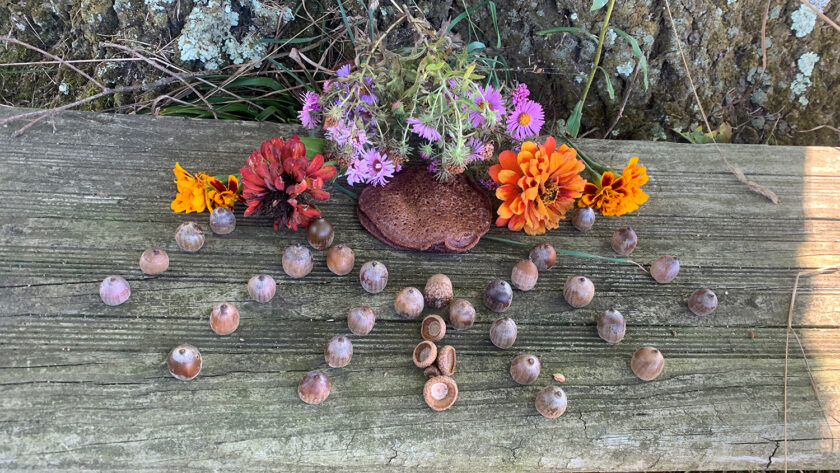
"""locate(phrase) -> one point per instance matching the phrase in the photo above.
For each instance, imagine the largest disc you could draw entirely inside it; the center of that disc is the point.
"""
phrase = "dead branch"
(9, 39)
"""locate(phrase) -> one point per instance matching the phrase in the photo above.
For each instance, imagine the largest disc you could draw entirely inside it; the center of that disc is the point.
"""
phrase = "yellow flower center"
(550, 195)
(483, 104)
(524, 119)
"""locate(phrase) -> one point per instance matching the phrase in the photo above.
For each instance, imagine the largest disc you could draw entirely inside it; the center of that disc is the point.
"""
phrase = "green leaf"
(573, 123)
(313, 146)
(610, 89)
(284, 41)
(636, 51)
(266, 82)
(288, 71)
(465, 14)
(475, 46)
(569, 29)
(346, 22)
(598, 4)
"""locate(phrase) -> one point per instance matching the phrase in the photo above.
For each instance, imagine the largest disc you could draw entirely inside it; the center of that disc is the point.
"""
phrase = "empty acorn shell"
(583, 218)
(703, 302)
(431, 371)
(339, 351)
(461, 314)
(360, 320)
(440, 392)
(222, 221)
(438, 291)
(624, 241)
(664, 269)
(433, 328)
(425, 353)
(446, 360)
(578, 291)
(525, 368)
(262, 288)
(543, 255)
(154, 261)
(647, 363)
(409, 303)
(184, 362)
(551, 402)
(224, 319)
(498, 295)
(297, 261)
(314, 387)
(189, 236)
(611, 326)
(320, 234)
(524, 275)
(114, 290)
(340, 259)
(503, 332)
(373, 277)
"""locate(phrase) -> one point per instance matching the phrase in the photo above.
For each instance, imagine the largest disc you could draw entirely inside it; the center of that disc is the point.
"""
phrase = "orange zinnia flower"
(617, 196)
(191, 192)
(538, 186)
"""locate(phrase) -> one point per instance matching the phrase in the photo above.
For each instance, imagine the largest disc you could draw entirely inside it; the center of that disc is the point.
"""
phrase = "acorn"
(297, 261)
(339, 351)
(624, 241)
(524, 275)
(525, 368)
(184, 362)
(224, 319)
(578, 291)
(438, 291)
(543, 255)
(703, 302)
(373, 276)
(461, 314)
(498, 295)
(409, 303)
(222, 221)
(647, 363)
(340, 259)
(431, 371)
(503, 332)
(446, 360)
(360, 320)
(551, 402)
(664, 269)
(314, 387)
(114, 290)
(320, 234)
(189, 236)
(262, 288)
(611, 326)
(433, 328)
(440, 392)
(154, 261)
(583, 218)
(425, 354)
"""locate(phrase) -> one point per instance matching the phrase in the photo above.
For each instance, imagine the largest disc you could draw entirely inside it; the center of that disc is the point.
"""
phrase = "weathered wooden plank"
(83, 385)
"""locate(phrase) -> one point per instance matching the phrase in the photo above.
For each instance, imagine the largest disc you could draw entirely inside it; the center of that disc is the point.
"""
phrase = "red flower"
(278, 181)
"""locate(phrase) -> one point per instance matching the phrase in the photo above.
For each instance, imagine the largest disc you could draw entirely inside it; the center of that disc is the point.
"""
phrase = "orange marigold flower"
(191, 196)
(617, 196)
(537, 186)
(221, 195)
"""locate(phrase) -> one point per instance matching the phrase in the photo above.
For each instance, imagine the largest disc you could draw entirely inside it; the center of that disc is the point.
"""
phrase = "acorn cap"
(433, 328)
(425, 353)
(440, 392)
(431, 371)
(446, 360)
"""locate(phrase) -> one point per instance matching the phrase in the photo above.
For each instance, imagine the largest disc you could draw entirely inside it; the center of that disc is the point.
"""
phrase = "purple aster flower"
(308, 115)
(489, 184)
(327, 85)
(526, 120)
(433, 167)
(356, 172)
(520, 95)
(343, 71)
(339, 134)
(487, 98)
(358, 138)
(380, 168)
(476, 149)
(423, 130)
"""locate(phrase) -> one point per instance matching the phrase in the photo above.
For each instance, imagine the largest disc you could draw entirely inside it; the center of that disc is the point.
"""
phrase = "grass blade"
(637, 51)
(569, 29)
(573, 123)
(610, 89)
(346, 22)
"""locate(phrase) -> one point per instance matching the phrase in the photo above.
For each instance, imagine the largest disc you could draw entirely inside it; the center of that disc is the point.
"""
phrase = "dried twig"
(739, 174)
(821, 15)
(9, 39)
(836, 130)
(624, 100)
(763, 61)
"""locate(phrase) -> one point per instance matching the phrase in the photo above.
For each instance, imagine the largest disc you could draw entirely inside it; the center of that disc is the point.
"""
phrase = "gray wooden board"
(84, 385)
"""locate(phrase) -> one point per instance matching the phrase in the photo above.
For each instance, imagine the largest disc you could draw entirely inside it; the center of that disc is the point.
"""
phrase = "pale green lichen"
(625, 68)
(800, 84)
(158, 5)
(804, 19)
(806, 63)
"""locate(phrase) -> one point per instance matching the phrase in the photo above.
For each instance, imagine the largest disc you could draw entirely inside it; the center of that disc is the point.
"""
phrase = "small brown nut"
(431, 371)
(578, 291)
(583, 218)
(114, 290)
(647, 363)
(425, 354)
(409, 303)
(222, 221)
(373, 277)
(551, 402)
(297, 261)
(360, 320)
(664, 269)
(624, 241)
(446, 360)
(433, 328)
(184, 362)
(154, 261)
(498, 295)
(340, 259)
(189, 236)
(440, 392)
(314, 387)
(224, 319)
(543, 255)
(524, 274)
(438, 291)
(525, 368)
(611, 326)
(503, 332)
(703, 302)
(262, 288)
(338, 352)
(320, 234)
(461, 314)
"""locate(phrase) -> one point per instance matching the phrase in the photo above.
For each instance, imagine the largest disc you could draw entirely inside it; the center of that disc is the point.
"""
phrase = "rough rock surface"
(721, 39)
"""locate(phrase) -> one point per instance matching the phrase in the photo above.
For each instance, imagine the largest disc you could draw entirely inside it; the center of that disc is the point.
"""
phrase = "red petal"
(318, 194)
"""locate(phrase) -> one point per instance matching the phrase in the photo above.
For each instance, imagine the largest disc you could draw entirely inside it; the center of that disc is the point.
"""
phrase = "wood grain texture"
(84, 386)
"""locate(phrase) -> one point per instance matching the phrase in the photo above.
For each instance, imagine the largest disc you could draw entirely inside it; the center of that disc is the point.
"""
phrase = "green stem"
(347, 192)
(601, 36)
(559, 250)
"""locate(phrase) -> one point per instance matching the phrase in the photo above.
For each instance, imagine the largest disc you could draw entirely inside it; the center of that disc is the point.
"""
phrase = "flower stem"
(601, 36)
(579, 254)
(347, 192)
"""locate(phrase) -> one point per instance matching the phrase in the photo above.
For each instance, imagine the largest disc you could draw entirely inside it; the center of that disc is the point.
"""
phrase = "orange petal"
(494, 172)
(504, 211)
(507, 176)
(507, 159)
(530, 193)
(501, 221)
(507, 192)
